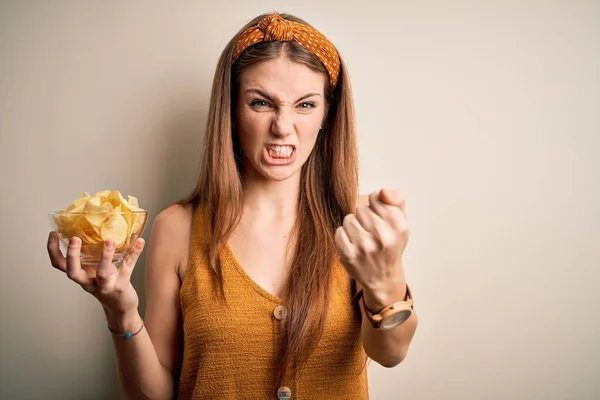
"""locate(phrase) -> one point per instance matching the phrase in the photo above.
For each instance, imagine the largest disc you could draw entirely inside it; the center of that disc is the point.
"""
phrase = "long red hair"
(328, 192)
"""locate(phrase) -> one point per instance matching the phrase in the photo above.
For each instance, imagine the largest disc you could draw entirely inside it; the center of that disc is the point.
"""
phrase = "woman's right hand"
(109, 284)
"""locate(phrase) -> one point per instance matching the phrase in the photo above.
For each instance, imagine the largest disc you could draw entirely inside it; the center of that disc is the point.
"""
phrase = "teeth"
(281, 151)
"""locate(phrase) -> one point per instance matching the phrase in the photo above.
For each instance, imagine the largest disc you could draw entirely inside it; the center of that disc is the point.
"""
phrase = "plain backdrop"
(485, 114)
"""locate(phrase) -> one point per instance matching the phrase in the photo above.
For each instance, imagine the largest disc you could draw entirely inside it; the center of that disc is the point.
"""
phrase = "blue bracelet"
(127, 335)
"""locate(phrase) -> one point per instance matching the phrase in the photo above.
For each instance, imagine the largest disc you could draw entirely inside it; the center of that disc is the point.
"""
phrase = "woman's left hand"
(371, 243)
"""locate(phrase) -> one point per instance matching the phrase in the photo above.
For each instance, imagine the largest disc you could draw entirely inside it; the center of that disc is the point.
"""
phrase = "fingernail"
(109, 244)
(74, 242)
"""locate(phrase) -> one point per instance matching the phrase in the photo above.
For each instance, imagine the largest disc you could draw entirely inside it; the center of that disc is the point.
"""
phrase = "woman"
(267, 281)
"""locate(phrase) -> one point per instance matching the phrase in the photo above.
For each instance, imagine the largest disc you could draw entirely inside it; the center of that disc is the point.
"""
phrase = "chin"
(278, 176)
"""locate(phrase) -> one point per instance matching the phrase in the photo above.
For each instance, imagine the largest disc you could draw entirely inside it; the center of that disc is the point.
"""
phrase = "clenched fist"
(372, 240)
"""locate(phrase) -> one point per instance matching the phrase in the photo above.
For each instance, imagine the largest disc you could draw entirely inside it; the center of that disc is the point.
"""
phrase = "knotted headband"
(274, 27)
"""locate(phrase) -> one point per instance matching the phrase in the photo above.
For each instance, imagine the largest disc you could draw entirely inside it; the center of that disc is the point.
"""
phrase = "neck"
(271, 199)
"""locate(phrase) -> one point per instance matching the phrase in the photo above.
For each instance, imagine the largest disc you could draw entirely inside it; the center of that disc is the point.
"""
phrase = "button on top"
(284, 393)
(280, 313)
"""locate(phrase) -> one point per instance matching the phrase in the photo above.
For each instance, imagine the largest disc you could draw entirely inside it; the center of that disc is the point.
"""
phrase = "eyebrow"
(264, 94)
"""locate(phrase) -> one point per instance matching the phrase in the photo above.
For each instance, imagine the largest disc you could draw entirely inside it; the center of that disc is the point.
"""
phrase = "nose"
(283, 123)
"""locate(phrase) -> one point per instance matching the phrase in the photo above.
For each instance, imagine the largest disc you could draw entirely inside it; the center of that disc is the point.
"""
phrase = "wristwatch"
(393, 315)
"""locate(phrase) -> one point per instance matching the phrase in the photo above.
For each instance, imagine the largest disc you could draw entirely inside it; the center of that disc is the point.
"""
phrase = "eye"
(307, 105)
(259, 103)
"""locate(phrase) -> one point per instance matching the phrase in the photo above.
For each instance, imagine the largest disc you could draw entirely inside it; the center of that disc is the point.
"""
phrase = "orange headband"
(274, 27)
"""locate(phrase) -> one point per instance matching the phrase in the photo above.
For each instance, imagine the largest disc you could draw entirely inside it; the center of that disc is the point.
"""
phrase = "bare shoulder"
(170, 235)
(175, 219)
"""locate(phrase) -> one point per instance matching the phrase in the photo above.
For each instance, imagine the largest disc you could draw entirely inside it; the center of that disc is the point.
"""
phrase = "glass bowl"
(94, 229)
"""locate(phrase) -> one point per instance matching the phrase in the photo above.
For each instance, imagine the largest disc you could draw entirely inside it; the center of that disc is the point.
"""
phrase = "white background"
(485, 114)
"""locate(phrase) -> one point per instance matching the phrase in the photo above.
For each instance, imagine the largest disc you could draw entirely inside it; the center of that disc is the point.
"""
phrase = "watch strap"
(378, 318)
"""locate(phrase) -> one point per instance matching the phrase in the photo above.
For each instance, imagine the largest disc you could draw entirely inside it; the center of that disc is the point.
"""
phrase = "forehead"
(283, 78)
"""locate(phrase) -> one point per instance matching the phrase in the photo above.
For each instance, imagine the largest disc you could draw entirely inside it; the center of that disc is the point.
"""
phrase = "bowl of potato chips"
(95, 219)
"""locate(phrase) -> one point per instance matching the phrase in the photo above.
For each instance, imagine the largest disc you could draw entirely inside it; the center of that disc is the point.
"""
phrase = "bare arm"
(388, 348)
(141, 373)
(149, 365)
(147, 361)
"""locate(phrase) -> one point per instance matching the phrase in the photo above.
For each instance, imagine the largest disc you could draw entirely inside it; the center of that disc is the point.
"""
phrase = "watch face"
(395, 319)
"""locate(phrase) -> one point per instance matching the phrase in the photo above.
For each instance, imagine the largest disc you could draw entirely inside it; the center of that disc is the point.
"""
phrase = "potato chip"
(77, 204)
(70, 219)
(133, 201)
(96, 212)
(115, 228)
(102, 193)
(90, 238)
(99, 217)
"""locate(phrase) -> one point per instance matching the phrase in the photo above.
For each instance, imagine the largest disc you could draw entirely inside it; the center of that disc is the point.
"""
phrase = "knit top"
(230, 349)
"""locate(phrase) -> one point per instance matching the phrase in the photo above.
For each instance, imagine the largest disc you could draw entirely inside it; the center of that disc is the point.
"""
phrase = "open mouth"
(280, 151)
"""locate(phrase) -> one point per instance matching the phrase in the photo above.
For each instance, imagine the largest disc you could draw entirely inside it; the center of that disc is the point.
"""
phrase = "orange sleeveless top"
(230, 350)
